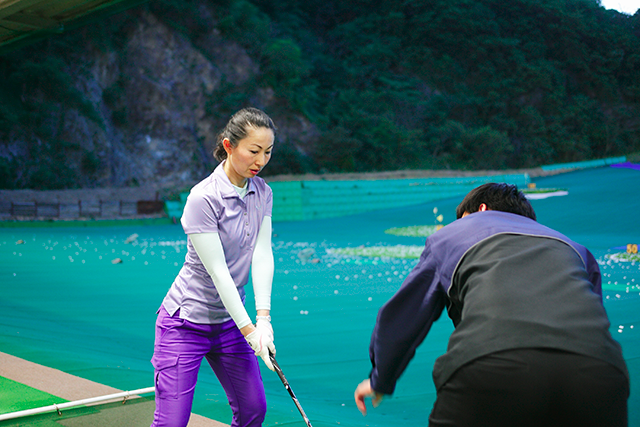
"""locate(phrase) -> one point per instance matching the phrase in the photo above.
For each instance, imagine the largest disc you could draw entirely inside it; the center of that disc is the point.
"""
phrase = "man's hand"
(364, 390)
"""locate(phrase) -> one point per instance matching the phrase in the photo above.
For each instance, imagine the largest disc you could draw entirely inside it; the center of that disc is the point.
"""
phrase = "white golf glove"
(261, 341)
(264, 324)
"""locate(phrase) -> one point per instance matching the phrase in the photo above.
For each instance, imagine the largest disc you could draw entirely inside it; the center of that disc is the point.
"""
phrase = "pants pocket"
(166, 376)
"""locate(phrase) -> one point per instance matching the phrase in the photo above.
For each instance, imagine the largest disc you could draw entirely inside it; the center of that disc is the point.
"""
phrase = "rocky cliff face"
(162, 84)
(158, 104)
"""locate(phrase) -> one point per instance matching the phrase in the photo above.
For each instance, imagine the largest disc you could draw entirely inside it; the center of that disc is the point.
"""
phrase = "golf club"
(288, 387)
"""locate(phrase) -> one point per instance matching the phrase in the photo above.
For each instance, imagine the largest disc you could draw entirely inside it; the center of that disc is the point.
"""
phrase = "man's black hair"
(498, 197)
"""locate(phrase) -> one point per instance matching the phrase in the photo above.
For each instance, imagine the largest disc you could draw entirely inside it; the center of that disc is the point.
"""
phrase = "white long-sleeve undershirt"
(209, 248)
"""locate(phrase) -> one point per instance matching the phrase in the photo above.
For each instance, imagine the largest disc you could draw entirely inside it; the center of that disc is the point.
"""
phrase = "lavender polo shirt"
(213, 206)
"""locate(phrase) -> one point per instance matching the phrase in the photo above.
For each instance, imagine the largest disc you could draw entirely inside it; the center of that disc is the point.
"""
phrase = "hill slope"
(356, 86)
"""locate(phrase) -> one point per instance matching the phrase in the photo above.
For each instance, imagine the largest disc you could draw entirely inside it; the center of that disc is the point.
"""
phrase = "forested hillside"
(137, 98)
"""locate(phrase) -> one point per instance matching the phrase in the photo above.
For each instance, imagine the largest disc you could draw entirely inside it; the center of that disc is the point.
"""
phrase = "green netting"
(67, 306)
(585, 164)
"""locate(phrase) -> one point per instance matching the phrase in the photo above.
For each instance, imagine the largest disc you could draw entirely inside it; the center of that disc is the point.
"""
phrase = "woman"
(227, 218)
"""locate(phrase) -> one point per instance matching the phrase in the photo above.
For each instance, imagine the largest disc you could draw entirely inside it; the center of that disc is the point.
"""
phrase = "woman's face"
(251, 154)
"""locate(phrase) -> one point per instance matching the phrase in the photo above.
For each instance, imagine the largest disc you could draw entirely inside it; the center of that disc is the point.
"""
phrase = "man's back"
(513, 291)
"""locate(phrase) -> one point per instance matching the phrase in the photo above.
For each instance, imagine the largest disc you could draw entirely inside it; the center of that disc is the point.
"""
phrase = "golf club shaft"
(288, 387)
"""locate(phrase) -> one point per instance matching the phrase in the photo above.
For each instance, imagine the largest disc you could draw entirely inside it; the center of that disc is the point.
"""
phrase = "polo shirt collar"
(226, 188)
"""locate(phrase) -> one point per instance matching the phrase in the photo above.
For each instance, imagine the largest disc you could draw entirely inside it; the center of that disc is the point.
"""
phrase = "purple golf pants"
(178, 351)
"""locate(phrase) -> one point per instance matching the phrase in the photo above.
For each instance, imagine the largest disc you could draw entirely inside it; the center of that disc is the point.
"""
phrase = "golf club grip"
(288, 387)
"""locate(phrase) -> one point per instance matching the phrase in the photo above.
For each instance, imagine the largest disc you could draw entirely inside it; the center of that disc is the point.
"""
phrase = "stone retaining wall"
(80, 204)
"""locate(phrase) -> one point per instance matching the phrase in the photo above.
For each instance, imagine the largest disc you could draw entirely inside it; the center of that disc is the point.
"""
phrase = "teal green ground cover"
(67, 306)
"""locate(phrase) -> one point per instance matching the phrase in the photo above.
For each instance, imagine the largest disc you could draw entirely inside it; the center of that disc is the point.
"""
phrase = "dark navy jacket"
(507, 282)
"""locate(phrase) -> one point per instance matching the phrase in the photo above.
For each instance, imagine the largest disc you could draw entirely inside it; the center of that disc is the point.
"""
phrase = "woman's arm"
(211, 253)
(262, 268)
(209, 248)
(262, 276)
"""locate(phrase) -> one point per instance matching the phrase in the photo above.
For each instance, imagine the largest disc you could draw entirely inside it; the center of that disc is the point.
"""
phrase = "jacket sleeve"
(593, 270)
(404, 321)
